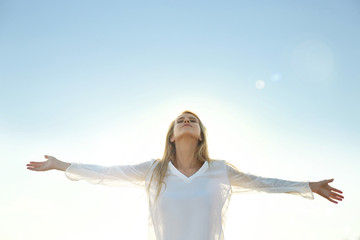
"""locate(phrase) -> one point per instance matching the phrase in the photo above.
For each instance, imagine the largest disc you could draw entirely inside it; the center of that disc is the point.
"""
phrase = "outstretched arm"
(245, 182)
(241, 182)
(118, 175)
(49, 164)
(325, 190)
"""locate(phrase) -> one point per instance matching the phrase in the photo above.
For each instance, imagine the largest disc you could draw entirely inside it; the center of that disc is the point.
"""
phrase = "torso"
(190, 197)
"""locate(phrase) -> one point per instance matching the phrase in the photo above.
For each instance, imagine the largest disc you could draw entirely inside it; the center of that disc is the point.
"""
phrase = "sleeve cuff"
(69, 172)
(307, 193)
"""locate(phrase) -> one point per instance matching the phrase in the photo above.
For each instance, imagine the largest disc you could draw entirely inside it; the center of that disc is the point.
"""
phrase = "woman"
(188, 192)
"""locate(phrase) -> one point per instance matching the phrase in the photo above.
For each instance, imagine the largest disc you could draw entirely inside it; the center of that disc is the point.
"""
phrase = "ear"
(172, 139)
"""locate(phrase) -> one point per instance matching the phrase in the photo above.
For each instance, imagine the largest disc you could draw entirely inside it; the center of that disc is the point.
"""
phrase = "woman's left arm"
(325, 190)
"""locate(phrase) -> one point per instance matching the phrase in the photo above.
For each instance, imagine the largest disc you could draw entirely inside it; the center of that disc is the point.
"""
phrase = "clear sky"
(276, 83)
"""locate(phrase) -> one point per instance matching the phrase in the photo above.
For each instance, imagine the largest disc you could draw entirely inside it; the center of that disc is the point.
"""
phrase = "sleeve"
(118, 176)
(243, 182)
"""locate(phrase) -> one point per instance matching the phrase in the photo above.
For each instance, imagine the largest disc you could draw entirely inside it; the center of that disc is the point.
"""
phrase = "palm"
(325, 190)
(42, 166)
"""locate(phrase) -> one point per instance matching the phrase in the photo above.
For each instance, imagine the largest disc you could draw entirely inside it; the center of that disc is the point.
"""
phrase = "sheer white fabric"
(117, 176)
(191, 208)
(245, 182)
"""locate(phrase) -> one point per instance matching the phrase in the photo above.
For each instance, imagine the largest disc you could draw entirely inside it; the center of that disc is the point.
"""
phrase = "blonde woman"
(188, 192)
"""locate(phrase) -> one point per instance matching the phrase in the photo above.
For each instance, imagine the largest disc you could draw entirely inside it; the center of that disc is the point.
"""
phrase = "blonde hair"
(161, 168)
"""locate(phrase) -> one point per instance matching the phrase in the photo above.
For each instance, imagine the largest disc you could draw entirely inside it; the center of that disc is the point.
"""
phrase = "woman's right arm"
(49, 164)
(118, 175)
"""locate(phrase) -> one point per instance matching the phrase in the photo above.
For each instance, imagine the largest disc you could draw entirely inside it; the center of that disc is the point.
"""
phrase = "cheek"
(198, 130)
(177, 129)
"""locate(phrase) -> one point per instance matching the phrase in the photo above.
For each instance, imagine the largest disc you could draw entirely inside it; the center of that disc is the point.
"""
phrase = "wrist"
(313, 186)
(60, 165)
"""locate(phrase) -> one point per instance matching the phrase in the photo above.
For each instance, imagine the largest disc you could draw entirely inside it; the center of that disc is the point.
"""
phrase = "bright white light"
(260, 84)
(275, 77)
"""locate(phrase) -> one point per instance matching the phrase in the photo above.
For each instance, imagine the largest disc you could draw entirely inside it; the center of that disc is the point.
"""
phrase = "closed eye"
(190, 121)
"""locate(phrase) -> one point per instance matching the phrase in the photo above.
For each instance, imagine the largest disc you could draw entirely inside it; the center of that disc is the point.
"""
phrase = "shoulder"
(143, 166)
(222, 163)
(154, 161)
(217, 163)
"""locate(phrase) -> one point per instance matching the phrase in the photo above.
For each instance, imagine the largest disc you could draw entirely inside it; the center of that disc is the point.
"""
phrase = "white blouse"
(191, 208)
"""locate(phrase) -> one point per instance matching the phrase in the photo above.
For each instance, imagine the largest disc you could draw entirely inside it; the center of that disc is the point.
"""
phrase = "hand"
(325, 190)
(49, 164)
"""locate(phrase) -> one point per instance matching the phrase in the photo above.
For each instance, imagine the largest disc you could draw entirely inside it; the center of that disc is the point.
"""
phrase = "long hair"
(161, 168)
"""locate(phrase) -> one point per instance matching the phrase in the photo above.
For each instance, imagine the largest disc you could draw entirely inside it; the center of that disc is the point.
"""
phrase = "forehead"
(186, 115)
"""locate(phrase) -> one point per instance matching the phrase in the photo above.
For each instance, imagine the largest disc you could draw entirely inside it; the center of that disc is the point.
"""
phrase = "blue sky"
(275, 82)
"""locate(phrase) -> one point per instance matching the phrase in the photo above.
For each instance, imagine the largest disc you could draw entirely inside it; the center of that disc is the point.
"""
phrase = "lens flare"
(260, 84)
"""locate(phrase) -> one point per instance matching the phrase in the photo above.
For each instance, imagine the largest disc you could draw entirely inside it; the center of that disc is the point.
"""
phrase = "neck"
(185, 155)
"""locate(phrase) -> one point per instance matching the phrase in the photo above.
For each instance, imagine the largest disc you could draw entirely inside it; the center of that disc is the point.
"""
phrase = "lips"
(186, 125)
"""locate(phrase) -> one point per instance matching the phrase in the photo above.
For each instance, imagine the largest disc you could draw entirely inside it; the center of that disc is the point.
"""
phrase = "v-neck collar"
(175, 171)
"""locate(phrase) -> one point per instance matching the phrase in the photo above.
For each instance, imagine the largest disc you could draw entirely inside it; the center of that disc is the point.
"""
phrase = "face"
(186, 125)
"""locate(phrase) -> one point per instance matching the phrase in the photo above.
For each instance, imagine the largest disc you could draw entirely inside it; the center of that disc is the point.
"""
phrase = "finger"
(337, 198)
(36, 164)
(35, 168)
(32, 168)
(32, 165)
(336, 190)
(331, 200)
(334, 195)
(330, 180)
